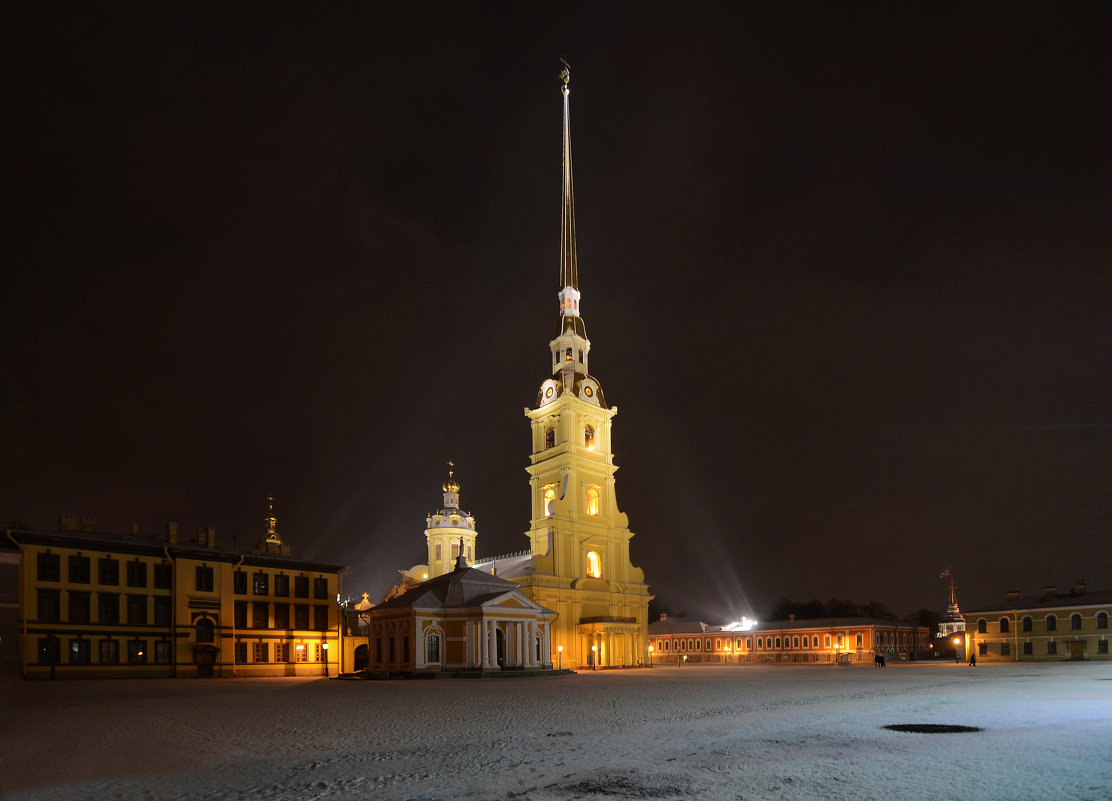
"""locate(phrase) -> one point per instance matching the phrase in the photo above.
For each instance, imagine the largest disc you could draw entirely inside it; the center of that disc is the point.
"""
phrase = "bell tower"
(578, 537)
(450, 532)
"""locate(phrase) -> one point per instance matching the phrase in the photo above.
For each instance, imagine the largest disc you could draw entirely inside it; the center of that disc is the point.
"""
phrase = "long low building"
(828, 640)
(100, 605)
(1042, 628)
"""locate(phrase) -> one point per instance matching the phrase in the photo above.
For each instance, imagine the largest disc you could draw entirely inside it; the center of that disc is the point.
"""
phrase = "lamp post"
(326, 660)
(594, 657)
(560, 657)
(650, 656)
(727, 650)
(957, 657)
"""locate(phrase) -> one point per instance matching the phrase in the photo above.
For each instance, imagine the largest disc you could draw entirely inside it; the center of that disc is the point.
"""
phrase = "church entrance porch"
(609, 642)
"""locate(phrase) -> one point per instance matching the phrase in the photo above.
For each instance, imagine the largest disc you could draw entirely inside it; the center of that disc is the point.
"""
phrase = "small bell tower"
(450, 532)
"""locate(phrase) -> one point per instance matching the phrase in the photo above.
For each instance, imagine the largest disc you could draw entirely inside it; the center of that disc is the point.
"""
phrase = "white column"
(492, 644)
(481, 642)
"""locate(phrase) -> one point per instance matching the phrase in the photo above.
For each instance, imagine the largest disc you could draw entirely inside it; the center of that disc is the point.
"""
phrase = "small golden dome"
(451, 485)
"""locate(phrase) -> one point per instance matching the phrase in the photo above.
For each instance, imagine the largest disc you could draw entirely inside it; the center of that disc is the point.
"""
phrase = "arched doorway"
(501, 639)
(360, 658)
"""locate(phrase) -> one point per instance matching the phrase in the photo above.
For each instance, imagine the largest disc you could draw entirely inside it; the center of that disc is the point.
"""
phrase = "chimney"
(89, 524)
(1080, 588)
(663, 615)
(1051, 590)
(134, 528)
(791, 618)
(172, 533)
(1011, 595)
(67, 523)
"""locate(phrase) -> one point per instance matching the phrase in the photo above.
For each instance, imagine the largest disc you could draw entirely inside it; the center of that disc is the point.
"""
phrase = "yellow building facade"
(100, 605)
(1052, 627)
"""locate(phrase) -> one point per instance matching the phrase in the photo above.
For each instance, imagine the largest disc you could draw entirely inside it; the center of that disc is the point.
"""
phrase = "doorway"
(1077, 649)
(204, 657)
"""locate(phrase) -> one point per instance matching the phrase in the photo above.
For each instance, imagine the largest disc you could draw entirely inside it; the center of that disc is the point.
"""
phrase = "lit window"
(567, 356)
(549, 497)
(592, 501)
(594, 565)
(589, 436)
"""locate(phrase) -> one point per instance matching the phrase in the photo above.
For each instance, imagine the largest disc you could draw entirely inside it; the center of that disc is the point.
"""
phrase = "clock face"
(589, 391)
(548, 392)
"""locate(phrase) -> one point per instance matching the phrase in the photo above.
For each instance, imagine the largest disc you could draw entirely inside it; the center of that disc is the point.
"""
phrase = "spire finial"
(569, 271)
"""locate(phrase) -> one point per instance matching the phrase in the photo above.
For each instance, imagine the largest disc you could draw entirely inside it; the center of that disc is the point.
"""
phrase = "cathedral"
(578, 562)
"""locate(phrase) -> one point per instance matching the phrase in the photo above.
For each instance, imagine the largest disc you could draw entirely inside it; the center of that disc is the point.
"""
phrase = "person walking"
(973, 659)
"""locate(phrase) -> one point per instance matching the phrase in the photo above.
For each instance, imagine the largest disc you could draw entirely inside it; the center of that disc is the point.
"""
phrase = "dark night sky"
(844, 271)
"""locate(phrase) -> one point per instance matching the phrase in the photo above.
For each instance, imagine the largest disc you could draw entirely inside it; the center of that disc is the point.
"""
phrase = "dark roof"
(832, 623)
(1072, 598)
(464, 586)
(677, 625)
(150, 544)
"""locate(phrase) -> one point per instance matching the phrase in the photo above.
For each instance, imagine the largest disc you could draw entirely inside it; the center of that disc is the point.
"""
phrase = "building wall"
(1055, 632)
(807, 644)
(90, 609)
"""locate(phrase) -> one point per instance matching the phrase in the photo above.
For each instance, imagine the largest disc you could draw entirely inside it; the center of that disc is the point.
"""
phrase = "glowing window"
(549, 497)
(859, 642)
(589, 436)
(592, 501)
(567, 356)
(594, 565)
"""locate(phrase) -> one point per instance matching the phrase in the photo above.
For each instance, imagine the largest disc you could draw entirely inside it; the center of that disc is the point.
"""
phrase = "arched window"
(778, 642)
(594, 565)
(1075, 621)
(698, 645)
(760, 642)
(1051, 623)
(860, 643)
(549, 437)
(982, 626)
(589, 436)
(567, 356)
(1102, 620)
(1004, 625)
(826, 641)
(1027, 621)
(592, 501)
(432, 649)
(795, 642)
(718, 643)
(815, 641)
(205, 630)
(549, 497)
(748, 643)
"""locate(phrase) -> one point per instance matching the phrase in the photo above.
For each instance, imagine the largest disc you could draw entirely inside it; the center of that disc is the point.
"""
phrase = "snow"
(744, 732)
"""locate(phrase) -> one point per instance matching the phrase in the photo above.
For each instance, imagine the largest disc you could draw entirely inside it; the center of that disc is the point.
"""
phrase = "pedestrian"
(973, 659)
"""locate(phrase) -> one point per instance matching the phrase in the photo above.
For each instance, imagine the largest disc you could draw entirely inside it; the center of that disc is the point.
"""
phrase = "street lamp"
(957, 658)
(594, 657)
(560, 657)
(650, 656)
(326, 660)
(727, 650)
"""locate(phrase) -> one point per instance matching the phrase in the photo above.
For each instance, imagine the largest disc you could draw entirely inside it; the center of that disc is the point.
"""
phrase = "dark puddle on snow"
(931, 728)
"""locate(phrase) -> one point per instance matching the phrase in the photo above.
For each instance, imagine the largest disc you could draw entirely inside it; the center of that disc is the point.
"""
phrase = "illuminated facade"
(448, 530)
(99, 605)
(1042, 628)
(465, 621)
(854, 639)
(578, 561)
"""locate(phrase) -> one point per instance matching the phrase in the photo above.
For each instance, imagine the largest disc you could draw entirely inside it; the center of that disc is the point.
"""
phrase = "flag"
(944, 573)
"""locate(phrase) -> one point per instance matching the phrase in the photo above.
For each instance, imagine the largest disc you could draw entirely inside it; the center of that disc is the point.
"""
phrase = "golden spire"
(451, 485)
(569, 271)
(270, 537)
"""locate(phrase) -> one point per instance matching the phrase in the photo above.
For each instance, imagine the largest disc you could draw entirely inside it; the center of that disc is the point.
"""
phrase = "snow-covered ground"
(748, 732)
